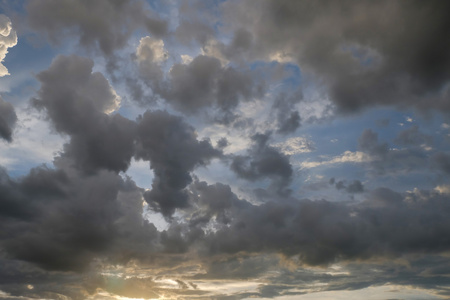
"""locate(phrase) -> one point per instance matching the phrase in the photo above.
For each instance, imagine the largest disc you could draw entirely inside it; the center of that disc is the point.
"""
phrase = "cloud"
(288, 117)
(322, 232)
(264, 162)
(61, 220)
(362, 59)
(226, 215)
(8, 39)
(101, 24)
(8, 119)
(355, 187)
(388, 161)
(78, 102)
(151, 49)
(443, 189)
(441, 161)
(346, 157)
(413, 137)
(203, 83)
(173, 150)
(295, 145)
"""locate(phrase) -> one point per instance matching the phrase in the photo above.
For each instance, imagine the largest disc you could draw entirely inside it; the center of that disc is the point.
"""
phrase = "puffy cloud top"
(8, 39)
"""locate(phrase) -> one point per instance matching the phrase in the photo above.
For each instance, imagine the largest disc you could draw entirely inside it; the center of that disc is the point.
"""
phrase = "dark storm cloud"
(76, 101)
(60, 220)
(401, 58)
(264, 162)
(213, 202)
(8, 119)
(321, 232)
(103, 24)
(203, 83)
(173, 150)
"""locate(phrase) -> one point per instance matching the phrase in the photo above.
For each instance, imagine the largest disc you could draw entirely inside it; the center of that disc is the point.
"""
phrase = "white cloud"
(346, 157)
(295, 145)
(212, 48)
(8, 39)
(443, 189)
(186, 59)
(151, 49)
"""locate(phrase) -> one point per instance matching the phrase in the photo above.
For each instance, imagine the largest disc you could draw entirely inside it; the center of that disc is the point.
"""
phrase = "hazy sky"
(224, 150)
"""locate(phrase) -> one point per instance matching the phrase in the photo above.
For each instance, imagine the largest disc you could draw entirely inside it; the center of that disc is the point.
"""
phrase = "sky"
(225, 150)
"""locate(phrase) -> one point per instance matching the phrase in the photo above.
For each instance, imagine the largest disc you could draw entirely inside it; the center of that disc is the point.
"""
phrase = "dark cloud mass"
(103, 24)
(173, 150)
(77, 101)
(366, 52)
(262, 162)
(205, 150)
(202, 83)
(61, 221)
(8, 119)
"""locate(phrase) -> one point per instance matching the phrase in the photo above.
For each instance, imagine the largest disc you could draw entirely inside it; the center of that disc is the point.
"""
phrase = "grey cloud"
(340, 185)
(441, 160)
(202, 83)
(8, 119)
(355, 187)
(413, 137)
(222, 143)
(61, 220)
(77, 101)
(290, 124)
(173, 150)
(364, 59)
(190, 31)
(288, 117)
(213, 201)
(262, 162)
(321, 232)
(387, 161)
(103, 24)
(368, 142)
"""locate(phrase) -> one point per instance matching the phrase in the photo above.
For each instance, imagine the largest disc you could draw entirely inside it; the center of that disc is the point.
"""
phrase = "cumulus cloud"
(77, 102)
(173, 150)
(264, 162)
(363, 59)
(8, 39)
(96, 216)
(203, 83)
(101, 24)
(151, 49)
